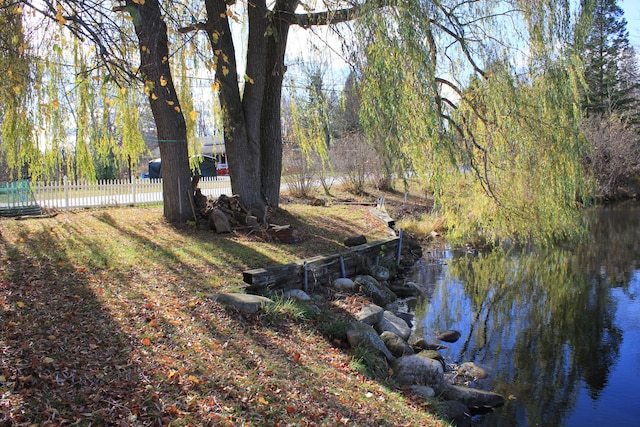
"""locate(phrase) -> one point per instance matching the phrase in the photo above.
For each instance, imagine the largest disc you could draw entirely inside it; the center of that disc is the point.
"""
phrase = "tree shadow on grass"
(91, 341)
(63, 358)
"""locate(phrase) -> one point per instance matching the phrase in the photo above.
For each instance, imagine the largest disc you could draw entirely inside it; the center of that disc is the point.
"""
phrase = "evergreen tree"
(610, 71)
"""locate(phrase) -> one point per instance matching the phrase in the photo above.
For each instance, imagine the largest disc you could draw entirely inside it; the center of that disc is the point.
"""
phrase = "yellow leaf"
(154, 96)
(225, 70)
(164, 59)
(18, 10)
(163, 81)
(193, 379)
(215, 85)
(61, 19)
(194, 114)
(20, 304)
(263, 401)
(170, 102)
(52, 337)
(172, 374)
(177, 108)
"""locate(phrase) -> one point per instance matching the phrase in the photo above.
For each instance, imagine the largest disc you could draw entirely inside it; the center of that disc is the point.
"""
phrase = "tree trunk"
(271, 128)
(170, 124)
(243, 152)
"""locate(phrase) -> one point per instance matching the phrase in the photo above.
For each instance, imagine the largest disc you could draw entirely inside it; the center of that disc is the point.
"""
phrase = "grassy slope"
(105, 320)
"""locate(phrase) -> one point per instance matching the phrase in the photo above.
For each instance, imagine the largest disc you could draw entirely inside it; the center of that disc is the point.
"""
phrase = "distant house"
(214, 146)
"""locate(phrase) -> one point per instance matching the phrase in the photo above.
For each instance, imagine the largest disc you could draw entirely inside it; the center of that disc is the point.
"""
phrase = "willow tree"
(16, 86)
(420, 57)
(481, 99)
(107, 61)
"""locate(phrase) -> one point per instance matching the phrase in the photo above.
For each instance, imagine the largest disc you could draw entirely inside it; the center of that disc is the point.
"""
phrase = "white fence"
(68, 194)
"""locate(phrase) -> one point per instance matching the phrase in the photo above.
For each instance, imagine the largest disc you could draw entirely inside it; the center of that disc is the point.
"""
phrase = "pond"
(557, 330)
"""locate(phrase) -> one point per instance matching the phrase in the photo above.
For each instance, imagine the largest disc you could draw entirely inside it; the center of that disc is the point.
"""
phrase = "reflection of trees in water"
(545, 319)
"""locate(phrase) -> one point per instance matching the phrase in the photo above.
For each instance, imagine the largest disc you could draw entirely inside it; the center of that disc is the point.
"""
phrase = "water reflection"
(545, 324)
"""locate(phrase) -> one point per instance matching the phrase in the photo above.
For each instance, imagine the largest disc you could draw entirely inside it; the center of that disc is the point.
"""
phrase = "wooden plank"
(321, 269)
(382, 216)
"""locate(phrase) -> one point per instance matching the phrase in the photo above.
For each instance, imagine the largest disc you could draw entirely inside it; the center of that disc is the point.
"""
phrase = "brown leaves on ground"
(105, 320)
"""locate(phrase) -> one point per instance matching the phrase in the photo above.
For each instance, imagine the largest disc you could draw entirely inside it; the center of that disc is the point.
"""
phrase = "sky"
(631, 10)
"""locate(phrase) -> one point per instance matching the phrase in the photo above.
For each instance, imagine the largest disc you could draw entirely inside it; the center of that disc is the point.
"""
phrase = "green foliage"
(369, 361)
(610, 69)
(335, 330)
(496, 139)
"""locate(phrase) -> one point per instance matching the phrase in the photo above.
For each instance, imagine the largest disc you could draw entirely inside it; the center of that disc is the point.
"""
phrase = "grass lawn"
(105, 320)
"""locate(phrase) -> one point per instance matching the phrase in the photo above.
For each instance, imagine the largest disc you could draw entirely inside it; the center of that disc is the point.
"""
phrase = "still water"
(557, 330)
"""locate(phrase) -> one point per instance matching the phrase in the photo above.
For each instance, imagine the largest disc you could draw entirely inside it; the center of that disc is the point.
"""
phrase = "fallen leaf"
(146, 341)
(263, 401)
(20, 304)
(296, 357)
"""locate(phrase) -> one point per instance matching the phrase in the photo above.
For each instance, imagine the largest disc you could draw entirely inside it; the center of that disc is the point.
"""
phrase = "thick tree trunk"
(243, 152)
(170, 124)
(270, 127)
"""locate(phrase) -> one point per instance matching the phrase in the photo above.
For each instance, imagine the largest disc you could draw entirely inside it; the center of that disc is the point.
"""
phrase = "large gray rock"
(379, 272)
(392, 323)
(370, 314)
(219, 221)
(422, 391)
(373, 289)
(360, 333)
(245, 303)
(396, 345)
(297, 294)
(416, 370)
(473, 398)
(343, 284)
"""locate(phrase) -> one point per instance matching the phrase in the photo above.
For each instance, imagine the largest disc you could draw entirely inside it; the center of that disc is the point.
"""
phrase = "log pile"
(226, 214)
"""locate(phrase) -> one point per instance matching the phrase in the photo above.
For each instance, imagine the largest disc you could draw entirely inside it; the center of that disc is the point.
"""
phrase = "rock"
(433, 354)
(471, 370)
(405, 290)
(245, 303)
(455, 412)
(251, 221)
(297, 294)
(343, 284)
(370, 314)
(355, 241)
(416, 370)
(391, 322)
(449, 336)
(396, 345)
(373, 289)
(474, 399)
(362, 334)
(423, 391)
(407, 317)
(422, 344)
(219, 221)
(379, 272)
